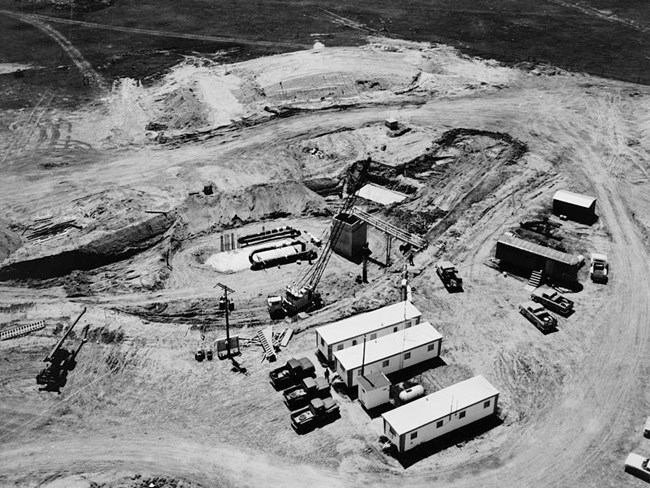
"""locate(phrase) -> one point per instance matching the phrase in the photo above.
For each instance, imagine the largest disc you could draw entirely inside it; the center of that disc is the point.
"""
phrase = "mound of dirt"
(257, 202)
(9, 241)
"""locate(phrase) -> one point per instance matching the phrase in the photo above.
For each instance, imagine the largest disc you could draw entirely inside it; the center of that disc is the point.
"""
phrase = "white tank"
(411, 394)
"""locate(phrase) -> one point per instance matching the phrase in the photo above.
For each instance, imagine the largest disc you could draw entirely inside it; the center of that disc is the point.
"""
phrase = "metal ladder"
(266, 344)
(21, 330)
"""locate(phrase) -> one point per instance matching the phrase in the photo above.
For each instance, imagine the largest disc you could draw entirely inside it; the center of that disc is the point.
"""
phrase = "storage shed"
(374, 390)
(390, 353)
(350, 331)
(581, 208)
(528, 256)
(440, 413)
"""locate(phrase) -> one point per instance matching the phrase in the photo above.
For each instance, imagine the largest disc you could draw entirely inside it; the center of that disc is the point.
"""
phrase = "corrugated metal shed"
(440, 404)
(368, 322)
(546, 252)
(387, 346)
(577, 199)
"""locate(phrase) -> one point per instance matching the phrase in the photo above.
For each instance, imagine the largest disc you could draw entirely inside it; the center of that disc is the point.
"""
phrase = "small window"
(408, 324)
(385, 363)
(407, 355)
(322, 342)
(439, 424)
(394, 329)
(354, 342)
(392, 432)
(486, 404)
(339, 347)
(358, 372)
(431, 347)
(373, 336)
(461, 414)
(414, 435)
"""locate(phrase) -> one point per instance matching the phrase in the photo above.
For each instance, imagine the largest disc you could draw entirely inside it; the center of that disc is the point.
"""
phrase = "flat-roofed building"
(377, 323)
(440, 413)
(574, 206)
(387, 354)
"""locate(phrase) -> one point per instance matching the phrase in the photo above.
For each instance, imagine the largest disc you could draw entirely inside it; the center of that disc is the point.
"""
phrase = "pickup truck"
(638, 466)
(319, 412)
(599, 270)
(298, 396)
(538, 315)
(552, 300)
(449, 277)
(291, 373)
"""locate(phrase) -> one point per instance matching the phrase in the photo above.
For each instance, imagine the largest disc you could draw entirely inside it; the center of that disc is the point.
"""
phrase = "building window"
(461, 414)
(486, 404)
(408, 324)
(392, 432)
(439, 424)
(373, 336)
(322, 342)
(339, 347)
(385, 363)
(414, 435)
(431, 347)
(394, 329)
(358, 372)
(354, 342)
(407, 355)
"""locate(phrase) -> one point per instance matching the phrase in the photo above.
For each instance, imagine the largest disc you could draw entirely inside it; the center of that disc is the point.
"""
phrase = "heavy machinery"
(61, 361)
(449, 276)
(302, 296)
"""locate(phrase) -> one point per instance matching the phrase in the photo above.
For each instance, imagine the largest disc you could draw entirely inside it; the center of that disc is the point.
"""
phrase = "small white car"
(638, 466)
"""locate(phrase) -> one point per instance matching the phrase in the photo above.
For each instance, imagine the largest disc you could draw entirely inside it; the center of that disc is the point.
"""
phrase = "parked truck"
(291, 373)
(553, 300)
(538, 315)
(319, 412)
(298, 396)
(599, 270)
(449, 276)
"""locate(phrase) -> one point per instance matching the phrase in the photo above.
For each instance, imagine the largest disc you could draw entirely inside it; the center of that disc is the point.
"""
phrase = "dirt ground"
(270, 137)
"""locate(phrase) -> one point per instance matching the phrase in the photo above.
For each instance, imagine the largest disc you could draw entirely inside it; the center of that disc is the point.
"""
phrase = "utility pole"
(225, 293)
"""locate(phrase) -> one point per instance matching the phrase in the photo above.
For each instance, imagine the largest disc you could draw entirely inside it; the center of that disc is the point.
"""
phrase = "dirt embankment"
(210, 213)
(105, 249)
(9, 241)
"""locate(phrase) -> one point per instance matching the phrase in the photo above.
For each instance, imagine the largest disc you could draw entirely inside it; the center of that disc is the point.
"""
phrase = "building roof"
(373, 381)
(439, 404)
(387, 346)
(380, 194)
(574, 198)
(547, 252)
(368, 322)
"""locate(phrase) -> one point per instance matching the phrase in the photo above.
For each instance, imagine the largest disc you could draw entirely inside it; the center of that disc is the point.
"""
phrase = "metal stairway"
(266, 339)
(536, 278)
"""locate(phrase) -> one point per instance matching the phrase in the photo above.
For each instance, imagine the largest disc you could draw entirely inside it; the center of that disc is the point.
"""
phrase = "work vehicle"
(303, 295)
(298, 396)
(318, 413)
(599, 270)
(646, 428)
(61, 361)
(449, 276)
(291, 373)
(553, 300)
(638, 466)
(538, 315)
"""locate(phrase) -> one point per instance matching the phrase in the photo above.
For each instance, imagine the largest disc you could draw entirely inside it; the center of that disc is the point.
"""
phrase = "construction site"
(384, 263)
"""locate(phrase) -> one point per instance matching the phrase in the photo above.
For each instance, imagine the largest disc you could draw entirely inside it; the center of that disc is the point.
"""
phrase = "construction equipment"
(61, 361)
(302, 296)
(449, 277)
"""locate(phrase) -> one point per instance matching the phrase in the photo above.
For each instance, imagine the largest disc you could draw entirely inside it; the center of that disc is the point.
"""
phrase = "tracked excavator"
(303, 295)
(61, 361)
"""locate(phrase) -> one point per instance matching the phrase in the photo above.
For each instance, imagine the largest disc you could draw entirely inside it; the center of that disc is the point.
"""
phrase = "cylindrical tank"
(411, 393)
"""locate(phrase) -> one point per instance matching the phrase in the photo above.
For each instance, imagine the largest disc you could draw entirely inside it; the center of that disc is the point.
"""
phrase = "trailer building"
(524, 255)
(374, 390)
(581, 208)
(387, 354)
(350, 331)
(441, 412)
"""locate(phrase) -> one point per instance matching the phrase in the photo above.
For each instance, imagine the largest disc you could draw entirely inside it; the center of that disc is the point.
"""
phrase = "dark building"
(581, 208)
(527, 256)
(352, 238)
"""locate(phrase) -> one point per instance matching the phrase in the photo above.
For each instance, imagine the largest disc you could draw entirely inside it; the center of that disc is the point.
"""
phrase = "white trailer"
(387, 354)
(377, 323)
(440, 413)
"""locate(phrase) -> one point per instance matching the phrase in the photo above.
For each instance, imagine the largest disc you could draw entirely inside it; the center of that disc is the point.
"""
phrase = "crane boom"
(67, 332)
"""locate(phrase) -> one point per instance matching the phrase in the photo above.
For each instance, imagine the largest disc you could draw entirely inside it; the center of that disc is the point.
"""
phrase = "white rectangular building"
(440, 413)
(350, 331)
(374, 390)
(390, 353)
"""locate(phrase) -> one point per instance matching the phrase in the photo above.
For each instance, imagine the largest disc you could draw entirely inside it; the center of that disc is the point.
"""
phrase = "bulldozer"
(61, 361)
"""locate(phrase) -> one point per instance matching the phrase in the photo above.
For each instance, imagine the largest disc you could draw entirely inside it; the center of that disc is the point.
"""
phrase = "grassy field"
(505, 30)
